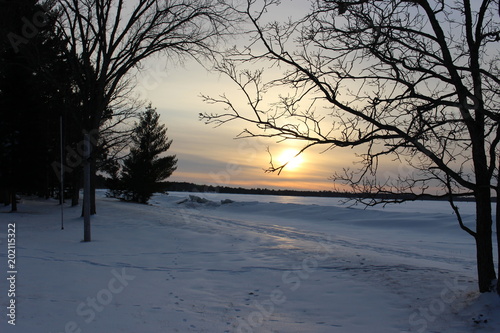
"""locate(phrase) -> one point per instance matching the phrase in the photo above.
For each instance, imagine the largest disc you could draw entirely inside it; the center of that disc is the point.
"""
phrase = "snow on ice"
(240, 263)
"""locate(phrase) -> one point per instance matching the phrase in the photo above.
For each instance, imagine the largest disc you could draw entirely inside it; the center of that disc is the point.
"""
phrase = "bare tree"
(117, 126)
(108, 39)
(415, 81)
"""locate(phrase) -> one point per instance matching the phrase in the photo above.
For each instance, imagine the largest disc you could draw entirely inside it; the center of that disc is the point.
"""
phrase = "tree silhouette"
(144, 169)
(35, 91)
(109, 39)
(412, 81)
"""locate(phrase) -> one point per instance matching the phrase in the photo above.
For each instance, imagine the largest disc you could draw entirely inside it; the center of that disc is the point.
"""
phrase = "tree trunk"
(75, 188)
(484, 245)
(498, 243)
(13, 201)
(46, 190)
(92, 186)
(86, 193)
(6, 197)
(75, 196)
(497, 212)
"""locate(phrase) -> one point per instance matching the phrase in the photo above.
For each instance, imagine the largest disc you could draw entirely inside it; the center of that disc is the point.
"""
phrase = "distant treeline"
(191, 187)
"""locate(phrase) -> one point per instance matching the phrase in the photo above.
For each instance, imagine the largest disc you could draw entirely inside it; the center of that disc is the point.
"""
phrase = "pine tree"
(144, 169)
(36, 88)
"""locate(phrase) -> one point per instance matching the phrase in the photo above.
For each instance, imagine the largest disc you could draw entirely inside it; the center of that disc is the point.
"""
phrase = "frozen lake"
(409, 207)
(259, 264)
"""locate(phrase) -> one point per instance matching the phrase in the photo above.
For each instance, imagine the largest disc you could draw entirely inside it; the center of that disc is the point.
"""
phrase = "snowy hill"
(188, 265)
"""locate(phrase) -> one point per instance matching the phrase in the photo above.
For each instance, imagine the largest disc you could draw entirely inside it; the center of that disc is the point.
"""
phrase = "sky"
(208, 155)
(213, 156)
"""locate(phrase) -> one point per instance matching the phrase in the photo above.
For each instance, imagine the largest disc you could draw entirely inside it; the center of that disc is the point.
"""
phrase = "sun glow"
(289, 158)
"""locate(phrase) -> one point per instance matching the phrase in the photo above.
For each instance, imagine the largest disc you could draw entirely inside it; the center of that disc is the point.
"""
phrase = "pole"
(62, 172)
(86, 190)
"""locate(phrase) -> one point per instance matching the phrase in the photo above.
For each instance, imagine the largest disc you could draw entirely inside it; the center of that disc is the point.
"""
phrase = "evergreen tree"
(36, 88)
(144, 169)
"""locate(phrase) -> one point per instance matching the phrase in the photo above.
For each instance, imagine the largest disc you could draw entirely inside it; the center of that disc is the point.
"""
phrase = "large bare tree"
(108, 40)
(416, 81)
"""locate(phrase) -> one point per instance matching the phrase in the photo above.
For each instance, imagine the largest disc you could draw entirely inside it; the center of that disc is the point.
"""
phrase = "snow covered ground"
(290, 265)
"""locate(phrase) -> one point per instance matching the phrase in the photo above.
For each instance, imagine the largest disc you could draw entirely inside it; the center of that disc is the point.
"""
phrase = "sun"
(289, 156)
